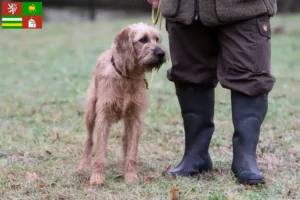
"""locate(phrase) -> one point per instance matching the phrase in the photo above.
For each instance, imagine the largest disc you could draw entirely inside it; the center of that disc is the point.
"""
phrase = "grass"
(44, 77)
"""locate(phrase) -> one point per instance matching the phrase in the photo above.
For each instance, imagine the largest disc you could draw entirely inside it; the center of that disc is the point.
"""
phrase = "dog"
(116, 92)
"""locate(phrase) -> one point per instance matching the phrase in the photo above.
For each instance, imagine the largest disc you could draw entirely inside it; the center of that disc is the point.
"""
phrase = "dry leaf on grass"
(219, 171)
(44, 197)
(57, 137)
(31, 176)
(121, 176)
(174, 177)
(168, 168)
(48, 152)
(33, 111)
(158, 107)
(148, 180)
(41, 185)
(34, 141)
(174, 192)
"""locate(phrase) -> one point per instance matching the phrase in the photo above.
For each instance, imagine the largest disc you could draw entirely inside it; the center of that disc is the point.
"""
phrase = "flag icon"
(22, 15)
(32, 22)
(32, 8)
(11, 22)
(11, 9)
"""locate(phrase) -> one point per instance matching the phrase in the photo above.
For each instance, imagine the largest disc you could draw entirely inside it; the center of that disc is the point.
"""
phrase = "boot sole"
(252, 182)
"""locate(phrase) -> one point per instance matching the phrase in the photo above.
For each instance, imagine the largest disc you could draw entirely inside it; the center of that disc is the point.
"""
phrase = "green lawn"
(44, 77)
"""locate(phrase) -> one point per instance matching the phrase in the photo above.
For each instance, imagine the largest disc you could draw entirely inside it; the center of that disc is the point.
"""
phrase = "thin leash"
(156, 17)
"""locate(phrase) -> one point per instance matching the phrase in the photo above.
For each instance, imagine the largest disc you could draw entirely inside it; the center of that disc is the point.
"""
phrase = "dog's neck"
(126, 72)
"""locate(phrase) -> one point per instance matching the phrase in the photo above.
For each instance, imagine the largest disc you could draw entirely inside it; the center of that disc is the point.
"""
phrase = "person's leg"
(193, 51)
(244, 68)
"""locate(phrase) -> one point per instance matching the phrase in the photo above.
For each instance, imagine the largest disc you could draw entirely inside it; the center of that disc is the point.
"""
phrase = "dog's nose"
(159, 53)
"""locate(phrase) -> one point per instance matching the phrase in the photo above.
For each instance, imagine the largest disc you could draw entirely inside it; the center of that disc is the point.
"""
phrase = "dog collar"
(121, 74)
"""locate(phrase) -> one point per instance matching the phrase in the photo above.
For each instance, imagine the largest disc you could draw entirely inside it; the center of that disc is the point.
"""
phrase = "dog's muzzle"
(160, 53)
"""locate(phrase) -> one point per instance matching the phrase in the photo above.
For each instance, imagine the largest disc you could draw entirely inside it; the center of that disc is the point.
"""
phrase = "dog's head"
(139, 46)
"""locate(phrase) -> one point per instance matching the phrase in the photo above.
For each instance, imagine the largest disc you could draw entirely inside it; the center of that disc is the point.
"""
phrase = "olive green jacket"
(216, 12)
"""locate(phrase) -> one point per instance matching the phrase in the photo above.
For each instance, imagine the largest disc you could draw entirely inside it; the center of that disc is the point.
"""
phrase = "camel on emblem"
(32, 8)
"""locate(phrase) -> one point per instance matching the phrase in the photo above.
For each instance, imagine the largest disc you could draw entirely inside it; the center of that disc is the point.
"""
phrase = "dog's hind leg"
(102, 130)
(89, 118)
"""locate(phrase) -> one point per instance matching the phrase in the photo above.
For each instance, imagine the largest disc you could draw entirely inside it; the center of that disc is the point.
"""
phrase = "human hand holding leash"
(154, 3)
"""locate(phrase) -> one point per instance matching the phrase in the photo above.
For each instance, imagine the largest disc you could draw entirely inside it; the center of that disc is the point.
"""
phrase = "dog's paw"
(131, 178)
(81, 167)
(97, 179)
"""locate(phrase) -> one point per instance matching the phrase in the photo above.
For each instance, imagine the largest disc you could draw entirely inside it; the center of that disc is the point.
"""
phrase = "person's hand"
(154, 3)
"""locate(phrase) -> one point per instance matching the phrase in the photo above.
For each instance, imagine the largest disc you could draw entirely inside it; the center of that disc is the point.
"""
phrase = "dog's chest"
(125, 101)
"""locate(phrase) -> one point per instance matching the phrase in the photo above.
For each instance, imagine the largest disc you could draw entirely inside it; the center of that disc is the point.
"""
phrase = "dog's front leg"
(102, 130)
(133, 129)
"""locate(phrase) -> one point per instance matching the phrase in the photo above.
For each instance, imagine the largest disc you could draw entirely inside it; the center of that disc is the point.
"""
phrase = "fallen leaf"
(165, 171)
(33, 111)
(57, 137)
(173, 192)
(12, 138)
(148, 180)
(48, 152)
(34, 141)
(32, 176)
(121, 176)
(158, 107)
(17, 186)
(168, 168)
(174, 177)
(41, 185)
(44, 197)
(219, 171)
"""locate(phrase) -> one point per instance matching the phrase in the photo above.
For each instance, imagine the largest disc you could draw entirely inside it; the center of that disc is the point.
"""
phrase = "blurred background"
(44, 75)
(95, 9)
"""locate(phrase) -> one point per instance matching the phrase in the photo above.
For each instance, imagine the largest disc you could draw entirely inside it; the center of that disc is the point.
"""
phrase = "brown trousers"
(236, 55)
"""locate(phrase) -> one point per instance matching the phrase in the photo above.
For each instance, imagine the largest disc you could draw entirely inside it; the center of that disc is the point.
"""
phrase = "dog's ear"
(123, 42)
(124, 50)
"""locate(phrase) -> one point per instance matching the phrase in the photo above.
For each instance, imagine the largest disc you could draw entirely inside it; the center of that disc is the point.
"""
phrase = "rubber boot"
(248, 113)
(197, 110)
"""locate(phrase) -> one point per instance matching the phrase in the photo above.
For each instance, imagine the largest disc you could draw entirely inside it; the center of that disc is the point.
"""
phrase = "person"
(226, 42)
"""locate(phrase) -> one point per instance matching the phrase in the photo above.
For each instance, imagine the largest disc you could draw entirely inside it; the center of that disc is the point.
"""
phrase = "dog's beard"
(150, 61)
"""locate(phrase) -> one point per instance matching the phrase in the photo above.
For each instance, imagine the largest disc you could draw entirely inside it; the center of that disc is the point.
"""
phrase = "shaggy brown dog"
(117, 91)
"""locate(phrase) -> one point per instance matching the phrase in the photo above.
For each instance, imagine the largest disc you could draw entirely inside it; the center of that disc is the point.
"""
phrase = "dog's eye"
(156, 39)
(143, 40)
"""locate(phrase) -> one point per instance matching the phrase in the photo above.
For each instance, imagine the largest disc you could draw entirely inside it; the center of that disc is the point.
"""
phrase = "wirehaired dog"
(117, 91)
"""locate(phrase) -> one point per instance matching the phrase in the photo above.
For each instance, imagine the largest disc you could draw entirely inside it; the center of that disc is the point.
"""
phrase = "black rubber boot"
(197, 109)
(248, 114)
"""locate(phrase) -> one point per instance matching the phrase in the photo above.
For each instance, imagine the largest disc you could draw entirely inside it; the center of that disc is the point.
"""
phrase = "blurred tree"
(288, 6)
(92, 9)
(142, 5)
